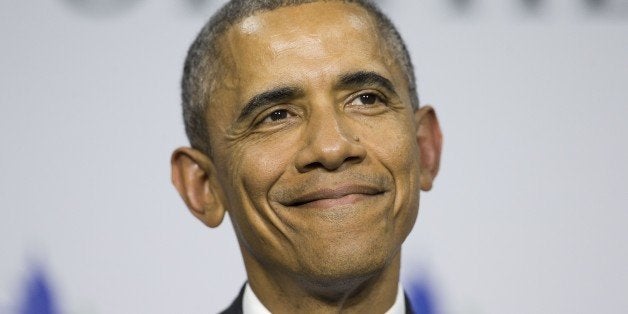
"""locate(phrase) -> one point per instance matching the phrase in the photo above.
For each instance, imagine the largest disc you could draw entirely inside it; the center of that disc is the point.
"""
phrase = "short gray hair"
(203, 59)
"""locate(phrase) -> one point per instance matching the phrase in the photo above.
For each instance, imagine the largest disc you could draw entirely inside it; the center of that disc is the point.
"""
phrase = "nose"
(329, 143)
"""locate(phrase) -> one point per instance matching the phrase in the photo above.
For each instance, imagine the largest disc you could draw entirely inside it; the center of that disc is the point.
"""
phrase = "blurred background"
(528, 215)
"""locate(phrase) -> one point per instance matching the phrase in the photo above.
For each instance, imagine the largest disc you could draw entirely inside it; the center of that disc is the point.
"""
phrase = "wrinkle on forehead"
(307, 45)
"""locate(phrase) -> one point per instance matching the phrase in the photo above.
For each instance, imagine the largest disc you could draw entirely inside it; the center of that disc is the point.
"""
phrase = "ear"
(430, 141)
(194, 176)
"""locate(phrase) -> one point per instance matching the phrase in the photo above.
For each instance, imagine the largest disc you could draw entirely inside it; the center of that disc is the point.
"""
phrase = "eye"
(277, 115)
(367, 99)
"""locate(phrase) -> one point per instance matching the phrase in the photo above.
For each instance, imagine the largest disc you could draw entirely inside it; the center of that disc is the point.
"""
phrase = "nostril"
(353, 159)
(312, 166)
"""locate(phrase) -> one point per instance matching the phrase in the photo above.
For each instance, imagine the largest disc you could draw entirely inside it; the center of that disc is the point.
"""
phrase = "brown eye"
(369, 99)
(369, 102)
(278, 115)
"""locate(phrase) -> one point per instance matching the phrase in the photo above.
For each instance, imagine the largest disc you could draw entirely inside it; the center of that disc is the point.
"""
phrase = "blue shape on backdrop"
(38, 296)
(421, 297)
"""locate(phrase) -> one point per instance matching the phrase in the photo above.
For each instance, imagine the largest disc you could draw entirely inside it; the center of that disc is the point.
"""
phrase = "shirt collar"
(252, 305)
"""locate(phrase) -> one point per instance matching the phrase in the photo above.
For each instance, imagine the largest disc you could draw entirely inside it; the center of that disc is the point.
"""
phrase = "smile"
(334, 197)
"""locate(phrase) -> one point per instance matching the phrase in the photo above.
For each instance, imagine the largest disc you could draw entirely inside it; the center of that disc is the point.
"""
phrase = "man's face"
(314, 141)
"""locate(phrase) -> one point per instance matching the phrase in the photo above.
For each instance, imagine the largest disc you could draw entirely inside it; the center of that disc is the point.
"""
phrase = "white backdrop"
(529, 213)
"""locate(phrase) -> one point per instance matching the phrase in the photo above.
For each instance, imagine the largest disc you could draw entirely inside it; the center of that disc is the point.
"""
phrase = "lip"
(332, 197)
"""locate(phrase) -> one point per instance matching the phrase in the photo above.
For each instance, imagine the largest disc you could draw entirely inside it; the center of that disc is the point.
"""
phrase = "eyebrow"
(269, 97)
(365, 78)
(285, 93)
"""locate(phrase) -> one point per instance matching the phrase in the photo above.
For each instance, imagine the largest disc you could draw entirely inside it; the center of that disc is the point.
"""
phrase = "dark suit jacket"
(236, 306)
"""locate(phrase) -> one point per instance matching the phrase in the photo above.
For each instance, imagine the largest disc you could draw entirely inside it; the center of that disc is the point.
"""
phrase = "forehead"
(334, 18)
(308, 33)
(305, 45)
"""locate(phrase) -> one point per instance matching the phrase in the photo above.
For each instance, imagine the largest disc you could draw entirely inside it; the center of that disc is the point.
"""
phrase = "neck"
(282, 292)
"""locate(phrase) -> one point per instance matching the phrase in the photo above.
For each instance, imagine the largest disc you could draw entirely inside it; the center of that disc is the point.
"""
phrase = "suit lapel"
(409, 309)
(236, 306)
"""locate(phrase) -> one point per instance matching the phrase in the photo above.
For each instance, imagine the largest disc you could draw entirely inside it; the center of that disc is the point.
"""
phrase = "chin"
(342, 264)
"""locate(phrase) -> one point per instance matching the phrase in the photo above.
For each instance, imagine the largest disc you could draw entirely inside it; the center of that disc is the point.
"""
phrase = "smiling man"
(306, 129)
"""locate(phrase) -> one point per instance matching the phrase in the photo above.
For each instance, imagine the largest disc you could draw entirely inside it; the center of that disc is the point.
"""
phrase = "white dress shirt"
(252, 305)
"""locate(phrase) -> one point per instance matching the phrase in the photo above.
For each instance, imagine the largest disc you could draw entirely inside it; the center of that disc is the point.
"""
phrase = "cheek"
(263, 170)
(393, 143)
(251, 170)
(400, 153)
(254, 168)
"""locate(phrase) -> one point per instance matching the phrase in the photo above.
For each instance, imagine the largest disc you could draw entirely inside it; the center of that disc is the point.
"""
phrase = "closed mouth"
(334, 196)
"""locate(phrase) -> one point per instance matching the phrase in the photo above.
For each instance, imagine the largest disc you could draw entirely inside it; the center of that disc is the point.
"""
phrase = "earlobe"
(194, 176)
(430, 142)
